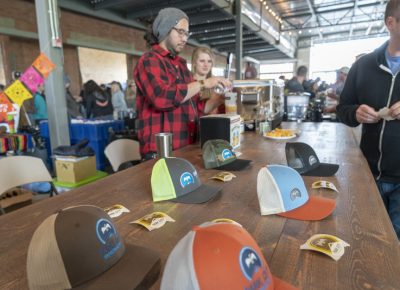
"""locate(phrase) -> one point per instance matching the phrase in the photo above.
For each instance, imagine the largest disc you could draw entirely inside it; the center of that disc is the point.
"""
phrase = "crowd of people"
(105, 101)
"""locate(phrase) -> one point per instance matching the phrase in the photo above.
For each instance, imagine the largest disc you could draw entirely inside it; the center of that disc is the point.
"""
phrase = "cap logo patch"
(295, 193)
(226, 154)
(105, 230)
(186, 179)
(108, 236)
(312, 160)
(250, 262)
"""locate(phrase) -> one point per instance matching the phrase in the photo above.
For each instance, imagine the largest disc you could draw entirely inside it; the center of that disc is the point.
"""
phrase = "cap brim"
(279, 284)
(316, 208)
(138, 268)
(202, 194)
(238, 164)
(323, 170)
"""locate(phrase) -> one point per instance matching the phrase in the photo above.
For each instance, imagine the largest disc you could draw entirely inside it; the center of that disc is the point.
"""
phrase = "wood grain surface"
(371, 262)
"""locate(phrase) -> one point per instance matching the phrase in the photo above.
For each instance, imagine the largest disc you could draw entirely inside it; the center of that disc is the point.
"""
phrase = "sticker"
(18, 93)
(227, 154)
(154, 220)
(250, 262)
(43, 64)
(224, 176)
(384, 114)
(116, 210)
(31, 78)
(326, 244)
(324, 184)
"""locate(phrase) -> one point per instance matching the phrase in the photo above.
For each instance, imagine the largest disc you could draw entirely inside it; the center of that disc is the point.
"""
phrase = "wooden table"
(371, 262)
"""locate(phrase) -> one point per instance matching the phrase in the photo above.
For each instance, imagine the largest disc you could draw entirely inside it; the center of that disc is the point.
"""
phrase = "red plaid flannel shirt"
(162, 83)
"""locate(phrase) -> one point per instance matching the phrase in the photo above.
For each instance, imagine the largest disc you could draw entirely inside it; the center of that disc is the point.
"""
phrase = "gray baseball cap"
(165, 20)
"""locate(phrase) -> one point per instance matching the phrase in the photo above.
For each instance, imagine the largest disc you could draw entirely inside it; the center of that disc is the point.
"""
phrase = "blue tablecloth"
(96, 132)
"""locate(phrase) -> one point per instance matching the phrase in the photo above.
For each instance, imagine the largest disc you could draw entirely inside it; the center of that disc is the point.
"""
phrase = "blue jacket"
(40, 107)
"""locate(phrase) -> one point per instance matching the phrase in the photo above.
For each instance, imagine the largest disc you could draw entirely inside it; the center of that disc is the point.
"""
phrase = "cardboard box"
(226, 127)
(75, 169)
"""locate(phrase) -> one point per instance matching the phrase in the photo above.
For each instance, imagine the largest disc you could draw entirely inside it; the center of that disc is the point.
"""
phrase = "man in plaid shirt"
(167, 95)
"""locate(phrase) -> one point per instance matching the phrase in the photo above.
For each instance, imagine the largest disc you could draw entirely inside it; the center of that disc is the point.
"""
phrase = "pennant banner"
(18, 93)
(31, 78)
(43, 65)
(5, 107)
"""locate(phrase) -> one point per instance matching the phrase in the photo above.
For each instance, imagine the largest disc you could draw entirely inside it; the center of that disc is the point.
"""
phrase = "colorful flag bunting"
(31, 78)
(17, 93)
(43, 65)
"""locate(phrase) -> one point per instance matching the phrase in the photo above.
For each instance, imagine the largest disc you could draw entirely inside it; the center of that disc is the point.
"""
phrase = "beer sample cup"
(164, 144)
(230, 103)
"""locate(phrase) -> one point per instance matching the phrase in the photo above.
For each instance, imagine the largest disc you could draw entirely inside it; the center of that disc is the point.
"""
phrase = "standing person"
(130, 94)
(336, 89)
(373, 83)
(202, 64)
(118, 98)
(250, 71)
(39, 101)
(73, 102)
(167, 95)
(295, 84)
(97, 101)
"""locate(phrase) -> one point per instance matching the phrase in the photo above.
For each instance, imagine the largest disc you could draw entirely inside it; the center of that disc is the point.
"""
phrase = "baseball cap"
(219, 256)
(281, 190)
(301, 157)
(176, 179)
(80, 248)
(218, 154)
(344, 70)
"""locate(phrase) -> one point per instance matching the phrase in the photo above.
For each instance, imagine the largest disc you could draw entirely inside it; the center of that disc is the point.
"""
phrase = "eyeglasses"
(182, 32)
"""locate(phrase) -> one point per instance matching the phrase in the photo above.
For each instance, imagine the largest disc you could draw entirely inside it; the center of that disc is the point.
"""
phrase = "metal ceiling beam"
(85, 8)
(352, 18)
(319, 11)
(231, 47)
(229, 24)
(218, 35)
(152, 10)
(110, 3)
(208, 16)
(314, 15)
(325, 26)
(232, 40)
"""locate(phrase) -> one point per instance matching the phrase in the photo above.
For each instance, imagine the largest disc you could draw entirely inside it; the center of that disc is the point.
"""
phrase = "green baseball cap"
(218, 154)
(176, 179)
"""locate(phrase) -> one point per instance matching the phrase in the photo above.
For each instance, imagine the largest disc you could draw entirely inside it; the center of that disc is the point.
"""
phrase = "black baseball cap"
(302, 157)
(80, 248)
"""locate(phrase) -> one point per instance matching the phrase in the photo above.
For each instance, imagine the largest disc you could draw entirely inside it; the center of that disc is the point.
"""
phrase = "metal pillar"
(47, 18)
(239, 39)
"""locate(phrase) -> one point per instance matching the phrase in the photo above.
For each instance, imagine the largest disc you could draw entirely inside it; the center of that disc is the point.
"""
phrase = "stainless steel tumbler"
(164, 144)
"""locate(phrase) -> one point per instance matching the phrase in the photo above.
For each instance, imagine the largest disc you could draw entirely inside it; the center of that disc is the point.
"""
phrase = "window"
(275, 70)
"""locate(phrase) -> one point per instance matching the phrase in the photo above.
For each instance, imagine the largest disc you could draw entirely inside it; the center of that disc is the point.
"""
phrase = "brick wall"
(19, 16)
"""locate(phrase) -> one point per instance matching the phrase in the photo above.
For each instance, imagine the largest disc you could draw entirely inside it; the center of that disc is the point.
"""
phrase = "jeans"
(390, 193)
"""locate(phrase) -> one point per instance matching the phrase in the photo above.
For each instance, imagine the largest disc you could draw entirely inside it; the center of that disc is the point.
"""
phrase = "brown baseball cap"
(80, 248)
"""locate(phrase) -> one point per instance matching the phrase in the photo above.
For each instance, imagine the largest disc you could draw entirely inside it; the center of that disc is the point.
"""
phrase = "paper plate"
(280, 138)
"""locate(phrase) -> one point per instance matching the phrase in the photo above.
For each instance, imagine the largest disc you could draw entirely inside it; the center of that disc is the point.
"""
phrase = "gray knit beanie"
(165, 20)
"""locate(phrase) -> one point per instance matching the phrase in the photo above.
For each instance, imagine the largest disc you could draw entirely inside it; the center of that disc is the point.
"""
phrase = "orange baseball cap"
(219, 256)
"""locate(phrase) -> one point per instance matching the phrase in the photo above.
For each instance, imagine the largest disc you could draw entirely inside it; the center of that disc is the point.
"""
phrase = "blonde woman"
(202, 64)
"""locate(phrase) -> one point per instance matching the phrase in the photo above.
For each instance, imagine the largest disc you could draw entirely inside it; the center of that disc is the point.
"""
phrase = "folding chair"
(19, 170)
(121, 151)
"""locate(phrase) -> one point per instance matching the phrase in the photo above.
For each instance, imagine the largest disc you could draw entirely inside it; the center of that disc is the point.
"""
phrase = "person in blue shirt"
(40, 105)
